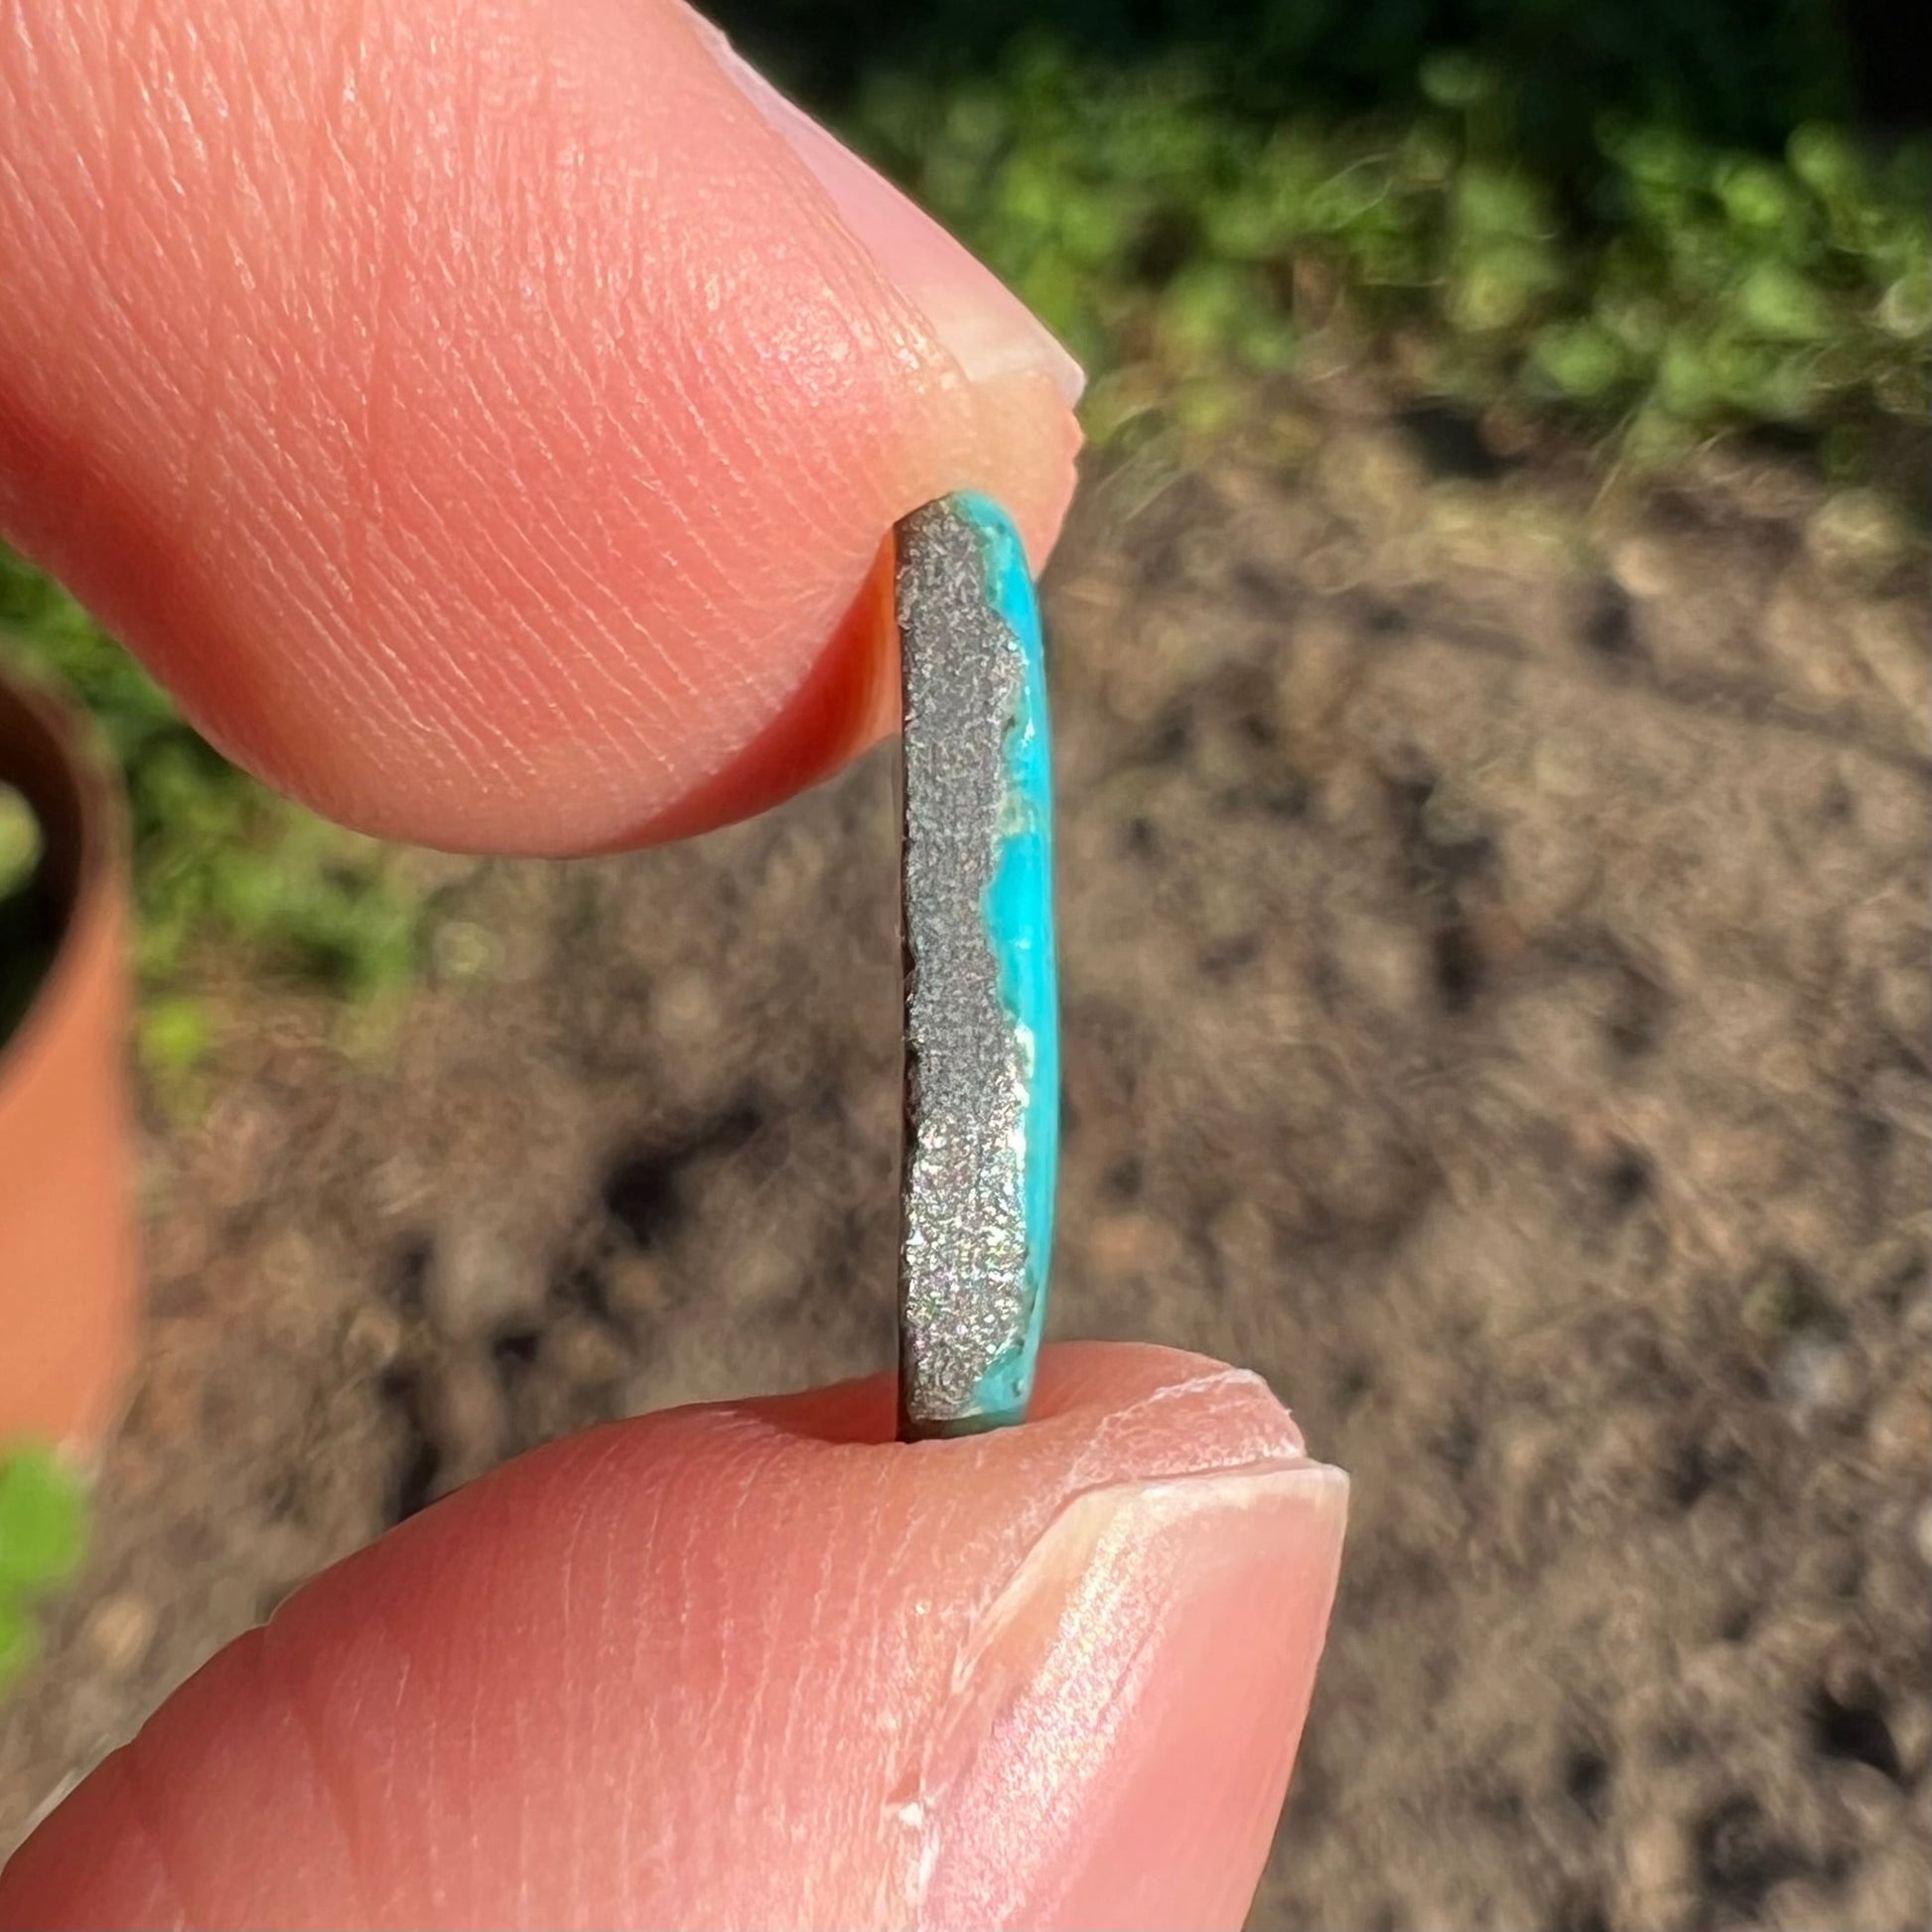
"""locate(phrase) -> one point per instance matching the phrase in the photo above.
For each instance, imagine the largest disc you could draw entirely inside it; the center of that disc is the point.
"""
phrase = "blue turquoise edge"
(1018, 908)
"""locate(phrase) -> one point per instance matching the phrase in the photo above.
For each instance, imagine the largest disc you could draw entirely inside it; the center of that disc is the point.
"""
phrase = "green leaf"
(1502, 204)
(1780, 303)
(1427, 156)
(1208, 407)
(1687, 386)
(1459, 80)
(1658, 157)
(1497, 286)
(43, 1520)
(174, 1034)
(1247, 225)
(1203, 307)
(1583, 360)
(1344, 198)
(1270, 344)
(1824, 159)
(1756, 195)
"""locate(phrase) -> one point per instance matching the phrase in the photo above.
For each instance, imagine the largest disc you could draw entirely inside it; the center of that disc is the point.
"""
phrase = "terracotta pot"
(69, 1265)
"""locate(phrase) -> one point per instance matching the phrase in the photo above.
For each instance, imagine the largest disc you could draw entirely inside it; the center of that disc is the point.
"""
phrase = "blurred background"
(1490, 658)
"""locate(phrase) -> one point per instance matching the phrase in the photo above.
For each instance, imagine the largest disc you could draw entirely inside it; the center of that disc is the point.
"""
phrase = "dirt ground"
(1496, 917)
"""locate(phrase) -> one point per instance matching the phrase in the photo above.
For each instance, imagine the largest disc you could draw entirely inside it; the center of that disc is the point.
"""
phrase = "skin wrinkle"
(386, 680)
(337, 1780)
(568, 1570)
(1070, 1501)
(481, 1770)
(473, 1780)
(357, 1731)
(92, 232)
(348, 687)
(817, 1599)
(540, 671)
(833, 1657)
(679, 680)
(608, 1646)
(530, 689)
(1105, 1705)
(150, 1819)
(393, 1797)
(404, 594)
(715, 1722)
(205, 474)
(681, 1839)
(646, 1647)
(844, 300)
(46, 250)
(103, 90)
(934, 1792)
(1124, 1421)
(895, 1879)
(869, 1666)
(569, 1649)
(543, 594)
(329, 1709)
(729, 687)
(847, 299)
(138, 1811)
(583, 667)
(336, 98)
(1064, 1676)
(363, 516)
(117, 93)
(758, 1700)
(313, 585)
(398, 1796)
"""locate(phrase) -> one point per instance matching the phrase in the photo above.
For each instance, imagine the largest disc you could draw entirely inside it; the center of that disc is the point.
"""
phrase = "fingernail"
(1121, 1725)
(988, 330)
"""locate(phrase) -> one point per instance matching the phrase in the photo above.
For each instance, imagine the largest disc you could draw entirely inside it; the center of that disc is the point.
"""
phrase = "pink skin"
(759, 1665)
(479, 410)
(486, 415)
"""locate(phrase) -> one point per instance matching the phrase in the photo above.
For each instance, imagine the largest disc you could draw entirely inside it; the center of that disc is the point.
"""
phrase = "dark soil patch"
(1495, 936)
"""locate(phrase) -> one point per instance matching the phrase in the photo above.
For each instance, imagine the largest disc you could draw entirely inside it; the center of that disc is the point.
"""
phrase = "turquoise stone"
(1017, 908)
(982, 1011)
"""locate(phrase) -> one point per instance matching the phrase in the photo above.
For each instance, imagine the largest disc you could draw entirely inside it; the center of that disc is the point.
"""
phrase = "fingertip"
(984, 327)
(751, 1664)
(521, 488)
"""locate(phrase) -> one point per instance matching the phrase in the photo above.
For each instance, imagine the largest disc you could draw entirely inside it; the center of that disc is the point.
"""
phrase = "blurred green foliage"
(42, 1538)
(215, 856)
(1663, 289)
(1740, 72)
(1649, 217)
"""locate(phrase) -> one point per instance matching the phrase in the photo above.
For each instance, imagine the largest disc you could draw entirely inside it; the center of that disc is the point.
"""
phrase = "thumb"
(757, 1665)
(485, 414)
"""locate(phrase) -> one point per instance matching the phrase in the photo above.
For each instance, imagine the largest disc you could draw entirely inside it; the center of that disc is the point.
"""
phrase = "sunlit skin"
(475, 409)
(486, 415)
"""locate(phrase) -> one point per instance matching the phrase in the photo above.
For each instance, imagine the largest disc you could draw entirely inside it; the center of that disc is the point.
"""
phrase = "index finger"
(485, 414)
